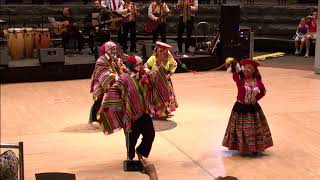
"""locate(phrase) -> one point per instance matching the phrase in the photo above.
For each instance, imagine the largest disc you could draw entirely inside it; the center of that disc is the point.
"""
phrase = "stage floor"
(51, 119)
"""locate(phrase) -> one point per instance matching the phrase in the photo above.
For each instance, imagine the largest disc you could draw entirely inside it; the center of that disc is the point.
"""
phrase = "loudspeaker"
(229, 24)
(51, 55)
(229, 45)
(4, 56)
(244, 40)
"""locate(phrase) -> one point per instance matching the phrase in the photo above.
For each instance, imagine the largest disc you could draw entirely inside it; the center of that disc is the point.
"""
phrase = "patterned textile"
(123, 102)
(104, 74)
(129, 98)
(170, 66)
(8, 166)
(129, 6)
(247, 130)
(173, 100)
(158, 91)
(188, 10)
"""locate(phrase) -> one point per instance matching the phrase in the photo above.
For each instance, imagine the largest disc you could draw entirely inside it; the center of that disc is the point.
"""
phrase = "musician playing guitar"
(186, 20)
(95, 25)
(157, 12)
(70, 29)
(113, 7)
(129, 12)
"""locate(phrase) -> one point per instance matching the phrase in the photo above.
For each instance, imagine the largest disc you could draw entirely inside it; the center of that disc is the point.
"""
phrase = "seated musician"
(70, 29)
(96, 27)
(157, 12)
(129, 12)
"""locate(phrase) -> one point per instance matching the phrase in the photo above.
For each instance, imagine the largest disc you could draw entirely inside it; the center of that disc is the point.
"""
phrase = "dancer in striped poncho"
(127, 105)
(163, 57)
(248, 130)
(107, 70)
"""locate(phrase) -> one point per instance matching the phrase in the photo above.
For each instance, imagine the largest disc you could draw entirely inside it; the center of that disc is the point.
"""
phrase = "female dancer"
(163, 57)
(247, 130)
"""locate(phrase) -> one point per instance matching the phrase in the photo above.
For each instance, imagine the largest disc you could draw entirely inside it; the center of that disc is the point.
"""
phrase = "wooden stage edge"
(81, 67)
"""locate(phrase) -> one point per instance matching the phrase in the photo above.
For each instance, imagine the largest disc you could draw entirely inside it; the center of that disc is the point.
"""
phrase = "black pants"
(37, 1)
(162, 30)
(75, 35)
(219, 1)
(13, 1)
(282, 2)
(250, 2)
(144, 126)
(98, 38)
(129, 27)
(189, 27)
(94, 110)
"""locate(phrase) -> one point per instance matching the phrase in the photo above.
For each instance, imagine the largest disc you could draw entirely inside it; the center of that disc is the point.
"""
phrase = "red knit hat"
(132, 61)
(251, 62)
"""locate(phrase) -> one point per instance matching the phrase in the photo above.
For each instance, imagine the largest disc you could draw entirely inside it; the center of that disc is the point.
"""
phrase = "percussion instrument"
(28, 36)
(42, 38)
(15, 43)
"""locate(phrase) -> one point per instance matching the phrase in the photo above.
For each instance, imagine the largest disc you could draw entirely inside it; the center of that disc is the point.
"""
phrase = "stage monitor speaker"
(4, 56)
(229, 45)
(229, 24)
(244, 40)
(51, 55)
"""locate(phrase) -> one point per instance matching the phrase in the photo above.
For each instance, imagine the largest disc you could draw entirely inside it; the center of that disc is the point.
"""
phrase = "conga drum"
(28, 41)
(15, 43)
(42, 38)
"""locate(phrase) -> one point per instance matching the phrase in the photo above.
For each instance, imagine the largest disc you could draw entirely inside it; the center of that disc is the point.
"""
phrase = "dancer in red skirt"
(248, 130)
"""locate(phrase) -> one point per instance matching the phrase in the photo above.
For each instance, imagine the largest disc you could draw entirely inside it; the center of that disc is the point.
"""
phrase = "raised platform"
(80, 67)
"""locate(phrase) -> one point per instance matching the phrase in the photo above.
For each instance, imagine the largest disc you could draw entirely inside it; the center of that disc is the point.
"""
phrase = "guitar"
(152, 25)
(115, 25)
(59, 26)
(62, 26)
(113, 20)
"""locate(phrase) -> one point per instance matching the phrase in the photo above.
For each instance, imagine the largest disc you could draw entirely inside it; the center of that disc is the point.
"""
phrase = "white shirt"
(108, 4)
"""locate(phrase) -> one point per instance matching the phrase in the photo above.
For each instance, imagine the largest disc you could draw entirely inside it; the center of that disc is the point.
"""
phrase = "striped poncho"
(123, 103)
(157, 91)
(129, 98)
(169, 68)
(103, 76)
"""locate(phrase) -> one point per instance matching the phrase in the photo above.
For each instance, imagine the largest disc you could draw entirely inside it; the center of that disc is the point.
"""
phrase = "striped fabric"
(157, 91)
(247, 130)
(129, 98)
(103, 75)
(123, 102)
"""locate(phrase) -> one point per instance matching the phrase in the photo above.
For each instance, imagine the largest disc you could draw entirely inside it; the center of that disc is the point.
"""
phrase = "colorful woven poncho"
(129, 98)
(157, 91)
(123, 103)
(103, 76)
